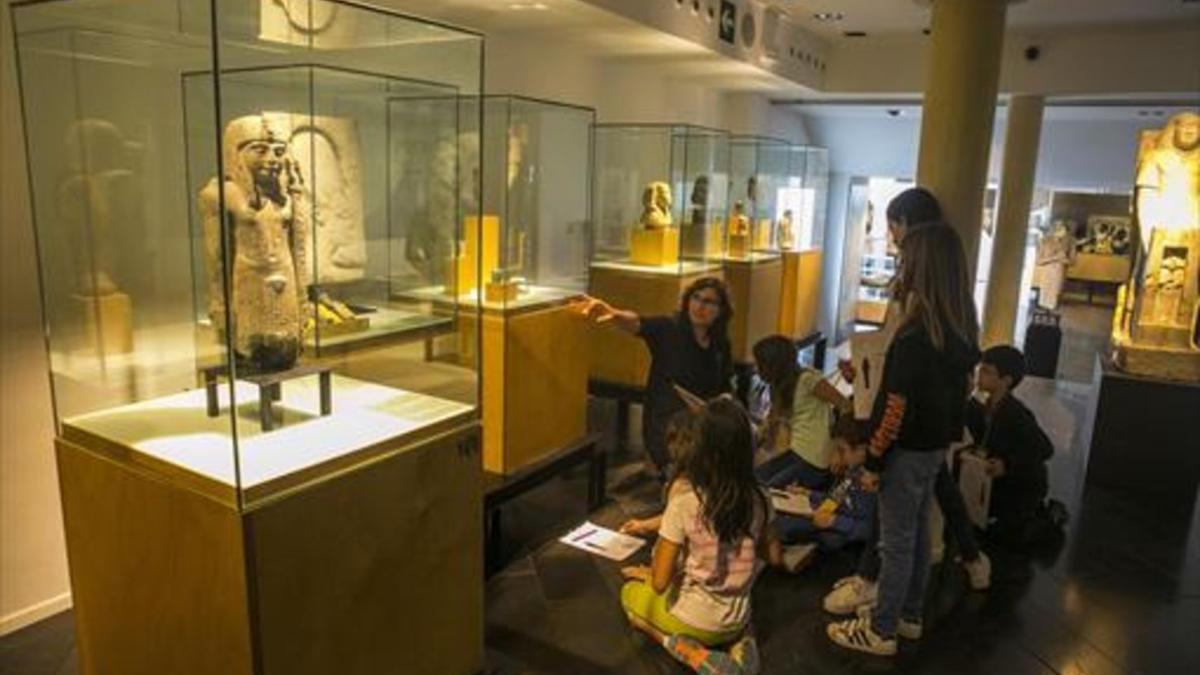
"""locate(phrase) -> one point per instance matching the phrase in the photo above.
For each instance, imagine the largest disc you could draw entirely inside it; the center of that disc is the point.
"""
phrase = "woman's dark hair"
(914, 206)
(721, 471)
(775, 359)
(719, 331)
(934, 285)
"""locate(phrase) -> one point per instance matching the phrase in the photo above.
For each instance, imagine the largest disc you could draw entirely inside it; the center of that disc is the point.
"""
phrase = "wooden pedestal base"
(376, 569)
(754, 289)
(800, 293)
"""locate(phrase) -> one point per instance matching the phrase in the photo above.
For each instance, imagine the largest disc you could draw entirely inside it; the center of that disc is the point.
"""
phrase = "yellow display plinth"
(534, 384)
(617, 357)
(480, 255)
(739, 245)
(762, 235)
(107, 322)
(654, 248)
(354, 574)
(754, 288)
(505, 291)
(870, 311)
(1100, 268)
(800, 293)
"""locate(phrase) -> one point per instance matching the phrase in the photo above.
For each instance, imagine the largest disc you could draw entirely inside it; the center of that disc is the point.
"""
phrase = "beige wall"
(33, 565)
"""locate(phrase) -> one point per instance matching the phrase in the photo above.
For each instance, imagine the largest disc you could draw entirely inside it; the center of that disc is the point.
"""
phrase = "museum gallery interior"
(469, 336)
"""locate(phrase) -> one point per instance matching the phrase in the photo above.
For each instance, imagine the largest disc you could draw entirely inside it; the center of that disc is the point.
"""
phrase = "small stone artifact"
(784, 235)
(656, 206)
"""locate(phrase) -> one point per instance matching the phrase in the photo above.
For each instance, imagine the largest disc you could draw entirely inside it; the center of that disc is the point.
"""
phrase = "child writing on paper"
(845, 514)
(712, 538)
(802, 406)
(1017, 448)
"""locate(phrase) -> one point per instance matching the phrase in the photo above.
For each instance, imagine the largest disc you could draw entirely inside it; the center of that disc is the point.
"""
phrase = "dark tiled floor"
(1121, 595)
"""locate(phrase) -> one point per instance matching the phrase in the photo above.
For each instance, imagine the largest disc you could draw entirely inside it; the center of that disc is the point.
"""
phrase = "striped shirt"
(713, 593)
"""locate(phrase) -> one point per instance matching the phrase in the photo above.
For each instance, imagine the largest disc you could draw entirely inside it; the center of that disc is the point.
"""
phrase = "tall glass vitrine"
(229, 216)
(800, 222)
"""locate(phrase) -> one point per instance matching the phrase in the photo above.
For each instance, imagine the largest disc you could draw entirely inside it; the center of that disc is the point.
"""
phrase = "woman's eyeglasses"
(706, 300)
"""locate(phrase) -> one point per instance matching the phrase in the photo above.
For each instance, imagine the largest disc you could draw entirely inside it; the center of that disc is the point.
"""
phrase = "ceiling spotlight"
(894, 112)
(829, 16)
(523, 6)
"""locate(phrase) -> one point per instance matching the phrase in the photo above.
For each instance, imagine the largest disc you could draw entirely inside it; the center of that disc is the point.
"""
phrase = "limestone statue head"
(1183, 132)
(256, 152)
(656, 205)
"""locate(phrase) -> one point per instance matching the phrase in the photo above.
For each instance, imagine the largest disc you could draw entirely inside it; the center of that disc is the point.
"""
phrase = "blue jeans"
(790, 469)
(904, 498)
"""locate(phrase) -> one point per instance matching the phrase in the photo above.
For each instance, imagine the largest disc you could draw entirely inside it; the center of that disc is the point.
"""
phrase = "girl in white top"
(712, 539)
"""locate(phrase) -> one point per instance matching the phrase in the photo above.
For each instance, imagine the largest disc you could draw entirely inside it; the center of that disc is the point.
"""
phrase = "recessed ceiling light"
(523, 6)
(829, 16)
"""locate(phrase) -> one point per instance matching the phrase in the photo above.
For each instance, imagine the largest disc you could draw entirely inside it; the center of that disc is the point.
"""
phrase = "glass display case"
(753, 268)
(230, 210)
(799, 219)
(759, 171)
(659, 210)
(533, 252)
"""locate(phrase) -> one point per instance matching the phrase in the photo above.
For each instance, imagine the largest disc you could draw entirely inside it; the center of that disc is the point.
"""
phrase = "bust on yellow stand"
(739, 232)
(655, 239)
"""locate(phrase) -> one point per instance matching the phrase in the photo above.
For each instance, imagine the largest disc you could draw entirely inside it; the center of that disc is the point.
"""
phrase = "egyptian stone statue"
(1157, 325)
(656, 206)
(784, 232)
(700, 201)
(739, 222)
(264, 220)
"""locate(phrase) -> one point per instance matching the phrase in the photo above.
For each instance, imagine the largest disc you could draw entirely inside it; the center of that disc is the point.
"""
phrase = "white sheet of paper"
(602, 541)
(791, 503)
(867, 352)
(976, 487)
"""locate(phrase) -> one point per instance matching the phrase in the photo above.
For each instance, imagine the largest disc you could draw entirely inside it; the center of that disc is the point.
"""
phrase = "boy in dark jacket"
(1016, 447)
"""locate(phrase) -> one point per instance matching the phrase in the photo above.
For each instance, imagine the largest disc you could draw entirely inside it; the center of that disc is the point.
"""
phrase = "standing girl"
(920, 410)
(690, 350)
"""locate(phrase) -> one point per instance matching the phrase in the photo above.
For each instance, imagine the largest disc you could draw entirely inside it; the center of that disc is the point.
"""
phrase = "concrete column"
(959, 108)
(1012, 218)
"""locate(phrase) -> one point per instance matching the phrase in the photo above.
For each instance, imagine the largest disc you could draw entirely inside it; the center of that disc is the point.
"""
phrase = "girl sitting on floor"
(802, 405)
(695, 596)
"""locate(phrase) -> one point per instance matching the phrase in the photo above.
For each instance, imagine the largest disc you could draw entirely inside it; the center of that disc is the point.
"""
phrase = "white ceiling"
(894, 16)
(1055, 111)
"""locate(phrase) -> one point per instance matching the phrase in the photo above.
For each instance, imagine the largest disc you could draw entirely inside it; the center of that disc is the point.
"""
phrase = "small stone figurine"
(656, 206)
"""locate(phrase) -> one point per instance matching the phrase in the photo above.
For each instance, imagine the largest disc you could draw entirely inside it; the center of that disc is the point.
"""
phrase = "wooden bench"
(500, 489)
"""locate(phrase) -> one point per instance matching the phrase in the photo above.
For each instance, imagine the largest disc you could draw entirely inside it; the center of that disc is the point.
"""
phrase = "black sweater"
(1012, 434)
(933, 384)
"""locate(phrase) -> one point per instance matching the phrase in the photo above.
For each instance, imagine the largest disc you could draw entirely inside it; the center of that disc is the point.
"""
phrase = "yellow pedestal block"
(800, 293)
(762, 235)
(106, 322)
(1112, 269)
(479, 257)
(754, 289)
(505, 291)
(739, 245)
(617, 357)
(655, 248)
(352, 575)
(534, 385)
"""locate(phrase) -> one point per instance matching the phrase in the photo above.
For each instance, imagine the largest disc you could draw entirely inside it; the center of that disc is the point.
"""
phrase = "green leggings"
(639, 600)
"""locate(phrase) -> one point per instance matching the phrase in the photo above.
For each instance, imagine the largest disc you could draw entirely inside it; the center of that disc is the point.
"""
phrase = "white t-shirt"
(714, 591)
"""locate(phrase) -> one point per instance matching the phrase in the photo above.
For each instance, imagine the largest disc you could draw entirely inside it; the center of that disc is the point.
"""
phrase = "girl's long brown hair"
(775, 359)
(934, 285)
(721, 471)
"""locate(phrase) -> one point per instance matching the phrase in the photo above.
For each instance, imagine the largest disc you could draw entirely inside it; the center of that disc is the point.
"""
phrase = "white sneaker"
(849, 594)
(857, 634)
(910, 629)
(979, 572)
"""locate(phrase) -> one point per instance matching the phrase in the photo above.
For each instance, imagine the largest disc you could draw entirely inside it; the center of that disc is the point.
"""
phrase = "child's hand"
(824, 519)
(995, 468)
(636, 572)
(637, 528)
(595, 309)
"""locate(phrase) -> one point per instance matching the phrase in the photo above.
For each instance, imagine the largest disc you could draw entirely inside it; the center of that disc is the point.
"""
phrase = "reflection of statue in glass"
(267, 216)
(784, 232)
(97, 196)
(656, 207)
(1157, 325)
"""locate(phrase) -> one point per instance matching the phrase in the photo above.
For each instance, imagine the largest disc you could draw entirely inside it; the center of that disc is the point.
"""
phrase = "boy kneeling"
(1017, 448)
